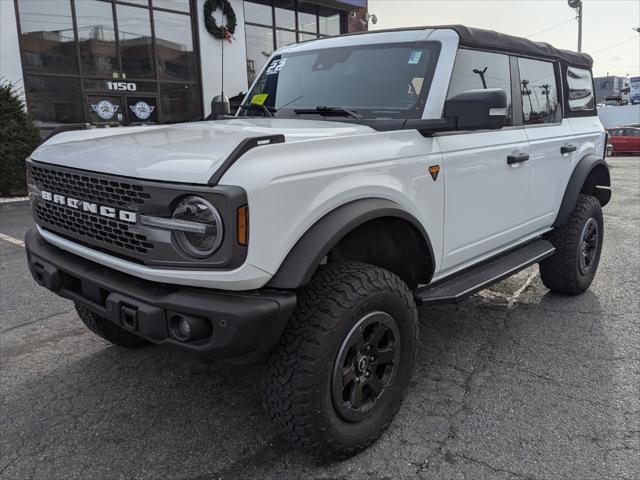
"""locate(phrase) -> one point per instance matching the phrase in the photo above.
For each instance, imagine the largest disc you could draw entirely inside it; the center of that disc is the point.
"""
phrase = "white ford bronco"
(363, 175)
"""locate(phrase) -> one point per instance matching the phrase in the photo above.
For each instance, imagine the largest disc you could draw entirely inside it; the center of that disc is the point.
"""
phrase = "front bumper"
(243, 325)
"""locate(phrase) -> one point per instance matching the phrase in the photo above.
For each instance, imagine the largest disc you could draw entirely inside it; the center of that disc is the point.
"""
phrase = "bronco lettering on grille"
(89, 207)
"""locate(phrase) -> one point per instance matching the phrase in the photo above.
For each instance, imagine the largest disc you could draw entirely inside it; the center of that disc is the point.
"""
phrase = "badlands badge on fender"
(434, 170)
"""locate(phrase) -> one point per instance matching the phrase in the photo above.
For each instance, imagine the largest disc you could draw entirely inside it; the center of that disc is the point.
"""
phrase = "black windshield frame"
(413, 112)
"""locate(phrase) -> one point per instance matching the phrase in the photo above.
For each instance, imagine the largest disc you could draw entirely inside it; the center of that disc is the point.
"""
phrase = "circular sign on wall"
(142, 110)
(105, 109)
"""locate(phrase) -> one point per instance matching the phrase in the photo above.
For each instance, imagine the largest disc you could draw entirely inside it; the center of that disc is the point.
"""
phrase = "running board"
(459, 286)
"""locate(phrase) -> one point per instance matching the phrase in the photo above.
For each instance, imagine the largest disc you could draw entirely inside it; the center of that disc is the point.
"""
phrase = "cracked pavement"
(513, 383)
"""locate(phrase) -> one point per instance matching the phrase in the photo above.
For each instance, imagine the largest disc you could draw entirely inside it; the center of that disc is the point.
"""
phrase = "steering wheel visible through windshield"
(382, 81)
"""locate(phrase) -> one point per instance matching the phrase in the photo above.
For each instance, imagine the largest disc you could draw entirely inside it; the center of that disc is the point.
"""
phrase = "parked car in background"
(625, 139)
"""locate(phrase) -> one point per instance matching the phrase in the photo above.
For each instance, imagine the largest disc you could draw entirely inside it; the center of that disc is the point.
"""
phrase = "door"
(554, 148)
(486, 173)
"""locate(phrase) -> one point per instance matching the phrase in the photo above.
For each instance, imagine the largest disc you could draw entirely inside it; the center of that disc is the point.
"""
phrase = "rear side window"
(474, 70)
(580, 86)
(540, 100)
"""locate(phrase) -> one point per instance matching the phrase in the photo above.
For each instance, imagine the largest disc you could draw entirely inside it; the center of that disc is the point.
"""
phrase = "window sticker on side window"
(414, 58)
(276, 66)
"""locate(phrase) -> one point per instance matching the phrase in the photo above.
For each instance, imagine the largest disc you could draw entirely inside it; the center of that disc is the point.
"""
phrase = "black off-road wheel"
(110, 331)
(578, 247)
(341, 370)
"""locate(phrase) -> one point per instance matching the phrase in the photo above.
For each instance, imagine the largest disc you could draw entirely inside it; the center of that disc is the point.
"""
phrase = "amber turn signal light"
(243, 226)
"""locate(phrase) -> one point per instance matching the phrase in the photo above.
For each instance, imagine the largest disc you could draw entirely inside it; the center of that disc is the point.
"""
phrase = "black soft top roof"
(480, 38)
(489, 39)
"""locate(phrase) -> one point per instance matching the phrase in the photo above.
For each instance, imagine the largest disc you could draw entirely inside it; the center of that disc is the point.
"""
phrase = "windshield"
(366, 81)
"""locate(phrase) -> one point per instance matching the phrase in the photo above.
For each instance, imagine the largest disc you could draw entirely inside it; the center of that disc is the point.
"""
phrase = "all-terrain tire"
(300, 395)
(110, 331)
(563, 272)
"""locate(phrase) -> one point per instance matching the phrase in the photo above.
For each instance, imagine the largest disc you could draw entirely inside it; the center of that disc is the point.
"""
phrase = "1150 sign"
(122, 86)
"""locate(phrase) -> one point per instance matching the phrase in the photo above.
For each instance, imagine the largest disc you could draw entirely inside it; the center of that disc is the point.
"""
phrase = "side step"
(460, 285)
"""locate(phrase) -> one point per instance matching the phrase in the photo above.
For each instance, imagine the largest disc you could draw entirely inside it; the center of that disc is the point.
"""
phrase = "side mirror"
(482, 109)
(219, 107)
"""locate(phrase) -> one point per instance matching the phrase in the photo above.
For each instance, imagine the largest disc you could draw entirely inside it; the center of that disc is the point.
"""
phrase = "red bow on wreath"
(227, 35)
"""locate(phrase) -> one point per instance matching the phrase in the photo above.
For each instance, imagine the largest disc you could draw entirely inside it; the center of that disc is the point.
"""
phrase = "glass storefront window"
(307, 17)
(179, 5)
(174, 46)
(97, 38)
(258, 12)
(48, 41)
(136, 46)
(303, 37)
(329, 23)
(179, 102)
(259, 48)
(284, 37)
(54, 99)
(285, 14)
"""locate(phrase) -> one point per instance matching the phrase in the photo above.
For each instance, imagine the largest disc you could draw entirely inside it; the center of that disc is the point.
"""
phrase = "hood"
(187, 152)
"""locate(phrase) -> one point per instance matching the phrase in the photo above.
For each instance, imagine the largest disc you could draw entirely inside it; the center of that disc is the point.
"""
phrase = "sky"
(607, 27)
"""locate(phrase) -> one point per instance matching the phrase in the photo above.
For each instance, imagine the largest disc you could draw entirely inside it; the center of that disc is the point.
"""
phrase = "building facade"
(610, 86)
(149, 61)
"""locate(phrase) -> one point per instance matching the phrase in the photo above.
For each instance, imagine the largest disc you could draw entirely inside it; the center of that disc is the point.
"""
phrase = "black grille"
(91, 227)
(90, 188)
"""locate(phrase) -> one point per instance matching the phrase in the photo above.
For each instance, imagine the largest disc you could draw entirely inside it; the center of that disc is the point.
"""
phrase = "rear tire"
(341, 370)
(578, 244)
(111, 332)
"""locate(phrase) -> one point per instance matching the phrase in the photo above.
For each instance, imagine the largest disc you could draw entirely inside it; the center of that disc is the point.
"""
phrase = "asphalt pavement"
(513, 383)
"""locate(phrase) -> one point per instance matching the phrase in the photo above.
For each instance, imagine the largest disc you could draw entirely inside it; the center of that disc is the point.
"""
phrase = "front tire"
(340, 372)
(578, 244)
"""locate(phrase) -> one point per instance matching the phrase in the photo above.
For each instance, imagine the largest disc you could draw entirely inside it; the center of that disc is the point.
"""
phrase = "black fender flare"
(581, 173)
(302, 260)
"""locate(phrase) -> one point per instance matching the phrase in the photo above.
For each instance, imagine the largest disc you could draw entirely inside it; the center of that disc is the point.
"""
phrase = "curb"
(6, 203)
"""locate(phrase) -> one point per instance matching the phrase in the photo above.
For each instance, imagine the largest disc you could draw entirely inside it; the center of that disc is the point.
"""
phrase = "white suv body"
(485, 158)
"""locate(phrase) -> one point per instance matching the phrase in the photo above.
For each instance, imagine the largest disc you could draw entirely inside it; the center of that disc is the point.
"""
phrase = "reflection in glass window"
(174, 46)
(303, 37)
(259, 48)
(97, 37)
(136, 50)
(539, 93)
(179, 5)
(580, 89)
(284, 37)
(474, 69)
(307, 17)
(285, 14)
(179, 102)
(54, 99)
(329, 22)
(258, 12)
(48, 40)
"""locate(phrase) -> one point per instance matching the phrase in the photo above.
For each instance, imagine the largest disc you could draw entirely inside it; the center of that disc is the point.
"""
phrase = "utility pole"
(577, 6)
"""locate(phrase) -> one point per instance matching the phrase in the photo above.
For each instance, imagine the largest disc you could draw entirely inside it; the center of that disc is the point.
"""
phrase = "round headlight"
(204, 239)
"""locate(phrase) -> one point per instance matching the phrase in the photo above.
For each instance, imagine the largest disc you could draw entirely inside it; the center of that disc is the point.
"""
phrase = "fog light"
(186, 328)
(183, 328)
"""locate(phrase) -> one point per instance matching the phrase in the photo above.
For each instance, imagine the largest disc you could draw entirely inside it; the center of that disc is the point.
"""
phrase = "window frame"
(567, 112)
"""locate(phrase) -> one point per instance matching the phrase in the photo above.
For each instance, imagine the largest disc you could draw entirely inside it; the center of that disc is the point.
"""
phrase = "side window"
(474, 69)
(580, 89)
(540, 102)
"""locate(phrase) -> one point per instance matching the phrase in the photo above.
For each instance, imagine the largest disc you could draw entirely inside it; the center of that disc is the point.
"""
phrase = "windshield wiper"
(329, 111)
(268, 111)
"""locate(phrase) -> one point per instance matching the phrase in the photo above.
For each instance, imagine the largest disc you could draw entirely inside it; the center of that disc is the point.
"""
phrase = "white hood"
(187, 152)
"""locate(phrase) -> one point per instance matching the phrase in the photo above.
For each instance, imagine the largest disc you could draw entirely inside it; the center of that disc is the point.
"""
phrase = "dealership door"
(122, 109)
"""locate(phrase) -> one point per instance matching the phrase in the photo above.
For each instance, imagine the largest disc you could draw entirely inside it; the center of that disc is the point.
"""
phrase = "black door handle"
(568, 148)
(521, 157)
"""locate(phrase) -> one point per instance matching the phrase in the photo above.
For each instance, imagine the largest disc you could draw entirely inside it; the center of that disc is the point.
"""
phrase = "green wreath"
(221, 32)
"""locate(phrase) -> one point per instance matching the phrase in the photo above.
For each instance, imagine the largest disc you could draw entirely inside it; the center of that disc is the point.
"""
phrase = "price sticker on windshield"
(259, 99)
(276, 66)
(414, 59)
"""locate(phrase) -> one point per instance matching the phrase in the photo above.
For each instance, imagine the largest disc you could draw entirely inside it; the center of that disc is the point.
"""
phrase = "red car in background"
(625, 139)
